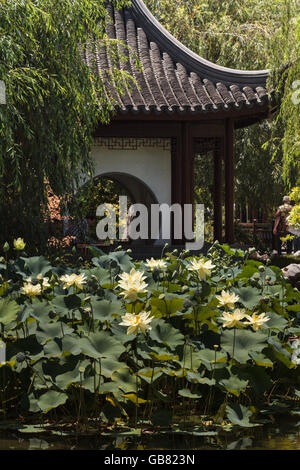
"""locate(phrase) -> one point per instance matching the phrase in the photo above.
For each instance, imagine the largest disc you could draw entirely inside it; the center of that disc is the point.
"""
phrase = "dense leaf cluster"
(66, 349)
(53, 103)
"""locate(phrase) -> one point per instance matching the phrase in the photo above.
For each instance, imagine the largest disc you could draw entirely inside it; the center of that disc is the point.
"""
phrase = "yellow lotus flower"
(19, 244)
(226, 299)
(257, 321)
(155, 264)
(202, 267)
(31, 290)
(233, 319)
(73, 280)
(132, 284)
(137, 323)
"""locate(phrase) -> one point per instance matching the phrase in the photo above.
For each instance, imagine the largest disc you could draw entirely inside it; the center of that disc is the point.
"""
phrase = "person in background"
(80, 230)
(280, 229)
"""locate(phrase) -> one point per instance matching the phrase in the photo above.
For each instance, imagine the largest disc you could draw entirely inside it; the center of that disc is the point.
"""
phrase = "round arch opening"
(107, 187)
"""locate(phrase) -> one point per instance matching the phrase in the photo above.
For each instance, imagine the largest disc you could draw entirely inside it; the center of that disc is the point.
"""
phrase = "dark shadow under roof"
(172, 78)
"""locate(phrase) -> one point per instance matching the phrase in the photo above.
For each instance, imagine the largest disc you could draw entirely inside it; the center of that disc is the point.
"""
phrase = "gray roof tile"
(172, 77)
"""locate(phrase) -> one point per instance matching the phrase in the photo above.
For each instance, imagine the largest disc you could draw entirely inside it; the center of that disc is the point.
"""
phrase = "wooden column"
(187, 168)
(187, 165)
(217, 194)
(229, 181)
(177, 178)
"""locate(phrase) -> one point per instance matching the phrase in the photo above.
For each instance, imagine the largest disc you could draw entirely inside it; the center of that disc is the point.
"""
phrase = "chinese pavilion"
(180, 105)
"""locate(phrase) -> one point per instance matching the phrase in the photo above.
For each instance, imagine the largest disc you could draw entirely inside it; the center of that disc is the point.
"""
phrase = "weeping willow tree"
(285, 64)
(253, 35)
(53, 103)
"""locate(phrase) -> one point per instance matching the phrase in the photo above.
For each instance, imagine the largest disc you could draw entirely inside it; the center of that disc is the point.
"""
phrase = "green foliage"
(248, 35)
(54, 102)
(285, 64)
(69, 350)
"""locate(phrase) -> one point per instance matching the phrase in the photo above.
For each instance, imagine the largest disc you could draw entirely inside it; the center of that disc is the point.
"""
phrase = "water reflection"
(284, 437)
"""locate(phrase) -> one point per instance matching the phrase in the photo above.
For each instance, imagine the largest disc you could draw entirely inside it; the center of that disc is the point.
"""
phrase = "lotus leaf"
(8, 311)
(101, 345)
(249, 296)
(234, 385)
(164, 333)
(186, 393)
(51, 399)
(239, 415)
(37, 265)
(245, 341)
(125, 380)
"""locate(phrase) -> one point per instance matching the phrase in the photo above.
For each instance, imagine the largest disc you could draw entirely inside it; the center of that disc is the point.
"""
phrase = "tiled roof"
(172, 77)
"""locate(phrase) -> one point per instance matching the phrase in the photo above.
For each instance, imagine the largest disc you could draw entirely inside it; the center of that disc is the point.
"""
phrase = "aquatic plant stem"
(233, 346)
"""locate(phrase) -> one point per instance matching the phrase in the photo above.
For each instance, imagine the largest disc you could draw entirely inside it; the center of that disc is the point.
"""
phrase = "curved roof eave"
(193, 62)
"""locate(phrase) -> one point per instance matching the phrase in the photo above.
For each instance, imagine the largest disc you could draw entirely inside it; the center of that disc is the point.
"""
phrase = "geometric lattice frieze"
(132, 143)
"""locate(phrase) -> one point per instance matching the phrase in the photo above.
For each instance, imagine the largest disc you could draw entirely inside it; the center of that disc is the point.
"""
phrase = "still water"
(285, 436)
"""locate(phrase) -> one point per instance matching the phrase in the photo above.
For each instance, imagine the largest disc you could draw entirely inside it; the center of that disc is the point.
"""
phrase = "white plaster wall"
(151, 165)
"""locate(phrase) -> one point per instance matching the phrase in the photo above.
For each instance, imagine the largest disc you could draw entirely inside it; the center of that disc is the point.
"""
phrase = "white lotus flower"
(155, 264)
(257, 321)
(202, 267)
(233, 319)
(73, 280)
(132, 284)
(31, 290)
(45, 283)
(227, 299)
(136, 323)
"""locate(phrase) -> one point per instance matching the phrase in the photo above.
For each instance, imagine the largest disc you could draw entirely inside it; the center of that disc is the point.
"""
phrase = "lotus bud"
(6, 247)
(198, 291)
(20, 357)
(187, 303)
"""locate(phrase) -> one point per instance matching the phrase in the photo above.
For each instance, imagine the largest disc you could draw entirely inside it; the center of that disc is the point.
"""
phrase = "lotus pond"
(182, 346)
